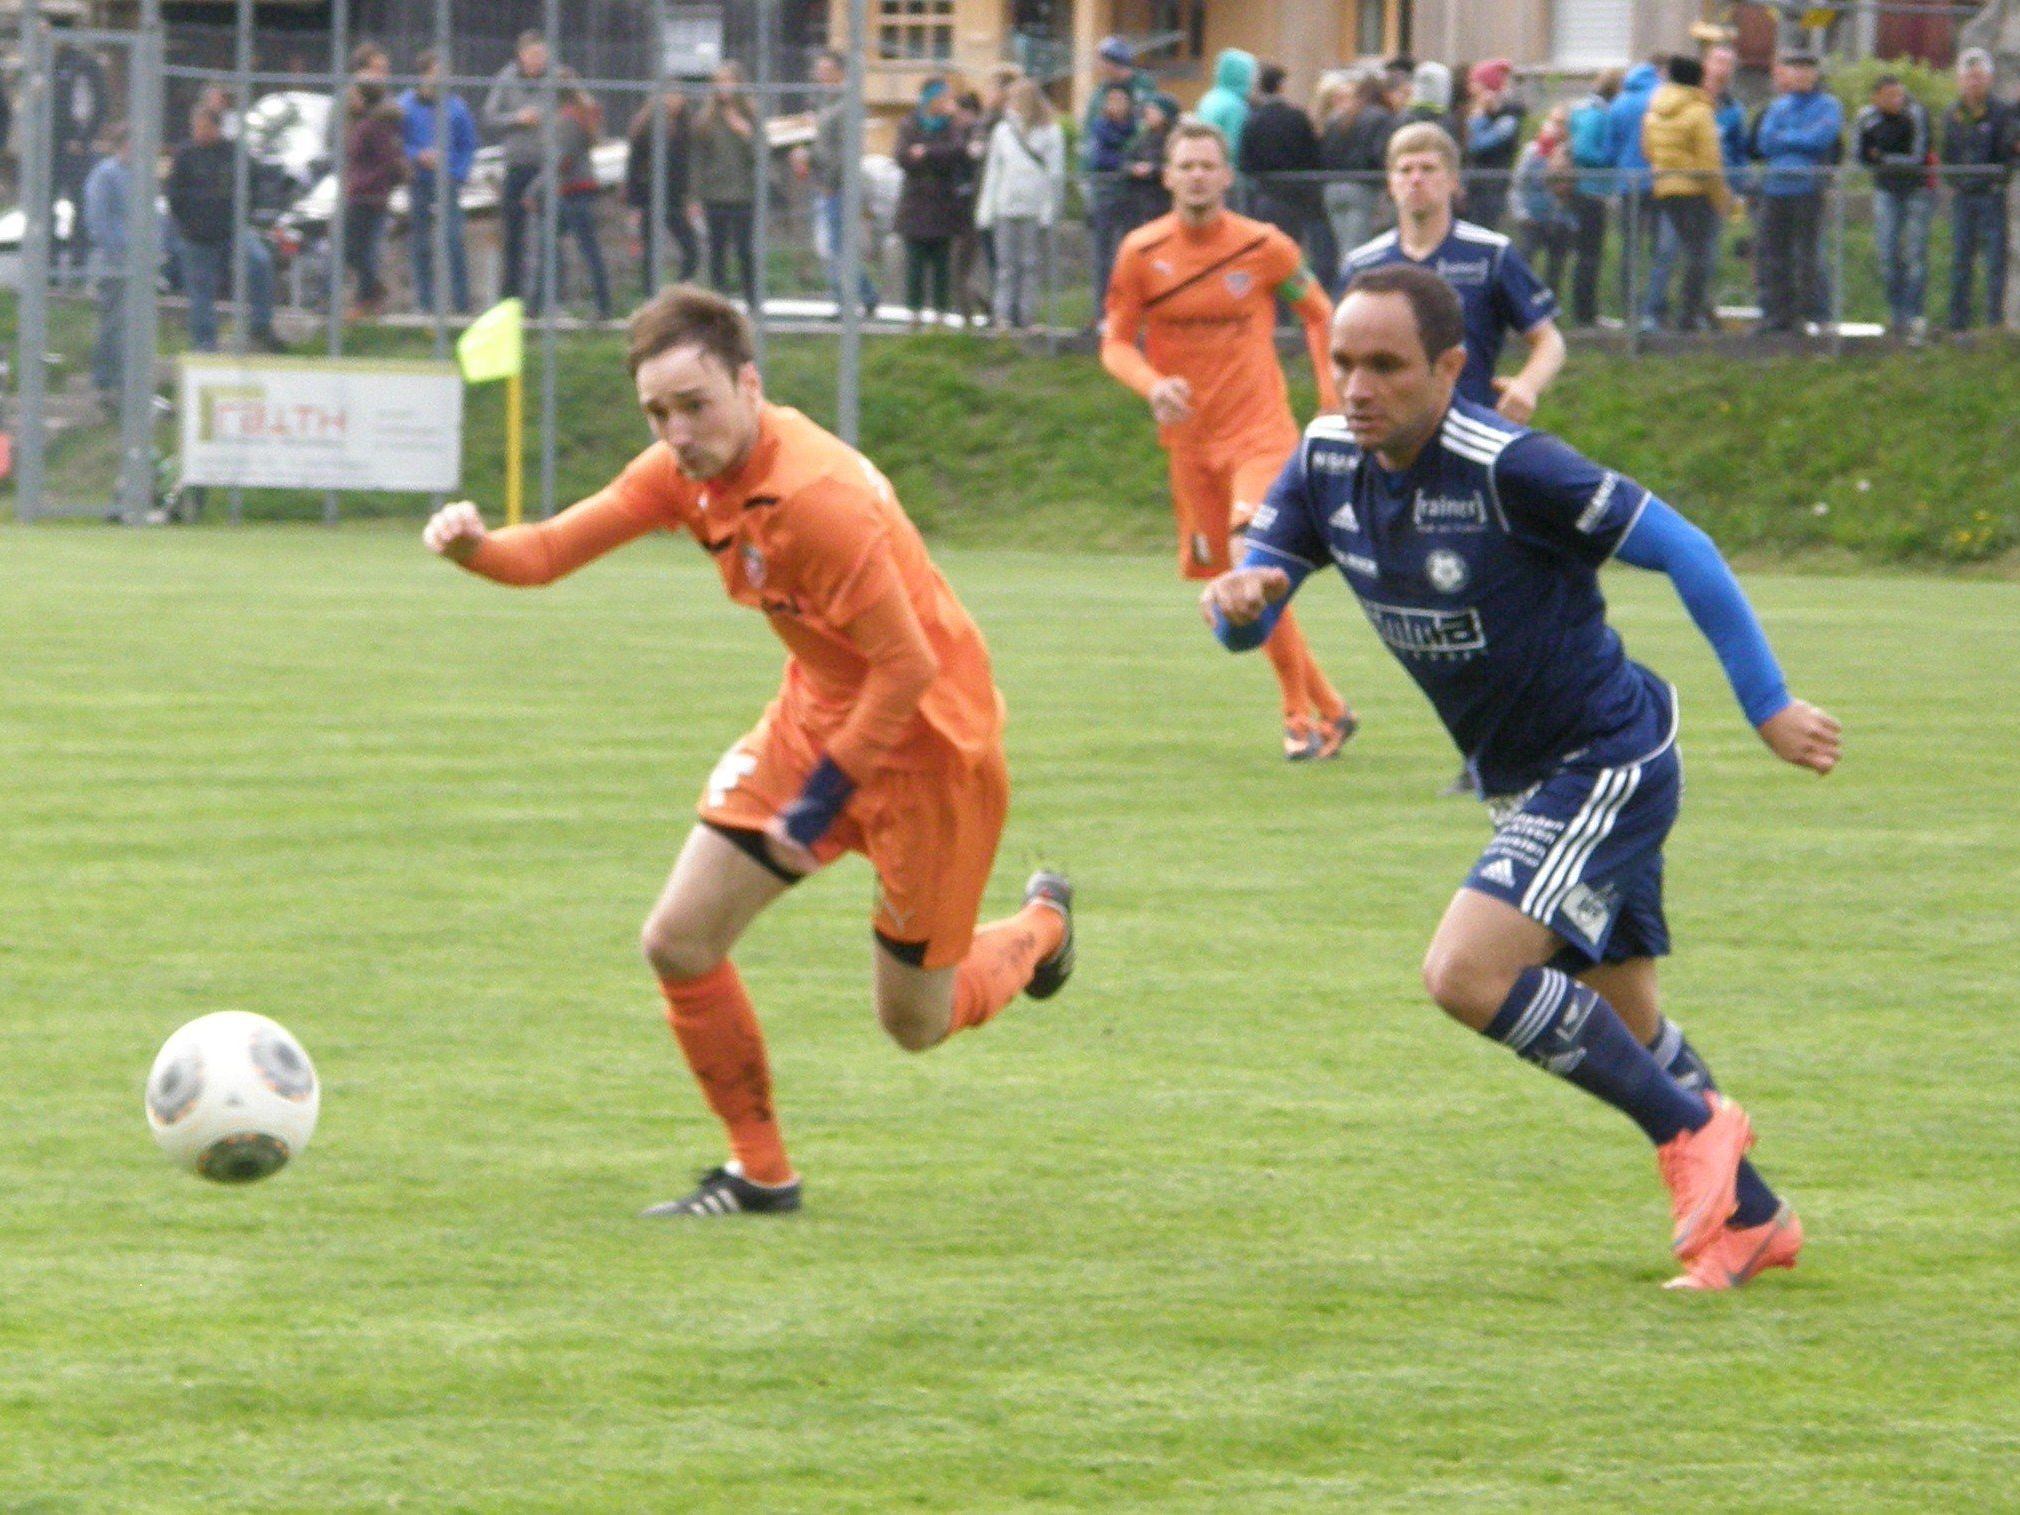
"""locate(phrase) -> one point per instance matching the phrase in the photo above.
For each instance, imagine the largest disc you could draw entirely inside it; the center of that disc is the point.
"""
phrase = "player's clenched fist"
(1243, 595)
(1802, 734)
(456, 531)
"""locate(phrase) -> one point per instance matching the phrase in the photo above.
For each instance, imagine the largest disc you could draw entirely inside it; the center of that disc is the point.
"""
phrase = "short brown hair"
(1423, 137)
(1193, 129)
(683, 315)
(1441, 323)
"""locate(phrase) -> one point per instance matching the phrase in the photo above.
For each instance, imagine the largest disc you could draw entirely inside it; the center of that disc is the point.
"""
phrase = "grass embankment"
(1888, 457)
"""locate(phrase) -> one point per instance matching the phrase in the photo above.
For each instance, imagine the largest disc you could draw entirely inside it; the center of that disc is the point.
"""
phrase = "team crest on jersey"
(1446, 570)
(1238, 281)
(753, 566)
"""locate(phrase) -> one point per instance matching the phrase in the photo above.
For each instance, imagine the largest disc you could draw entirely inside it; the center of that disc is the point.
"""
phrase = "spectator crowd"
(1658, 169)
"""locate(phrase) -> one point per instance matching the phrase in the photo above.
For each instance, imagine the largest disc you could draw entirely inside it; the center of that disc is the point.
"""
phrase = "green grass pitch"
(1239, 1223)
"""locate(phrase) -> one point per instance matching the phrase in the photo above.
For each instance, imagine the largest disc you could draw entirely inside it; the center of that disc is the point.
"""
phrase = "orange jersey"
(809, 532)
(1203, 300)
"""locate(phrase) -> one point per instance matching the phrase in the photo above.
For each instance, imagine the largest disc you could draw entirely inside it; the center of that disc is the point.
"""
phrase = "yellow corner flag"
(493, 347)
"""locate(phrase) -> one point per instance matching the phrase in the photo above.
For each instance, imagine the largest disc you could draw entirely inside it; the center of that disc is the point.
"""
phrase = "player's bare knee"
(1462, 984)
(913, 1026)
(676, 951)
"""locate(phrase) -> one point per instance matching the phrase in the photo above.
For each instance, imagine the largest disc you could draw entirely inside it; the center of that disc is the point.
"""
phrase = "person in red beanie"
(1493, 136)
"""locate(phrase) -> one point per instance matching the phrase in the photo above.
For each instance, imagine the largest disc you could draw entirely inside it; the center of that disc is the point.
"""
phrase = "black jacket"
(1895, 148)
(1359, 146)
(638, 166)
(200, 191)
(1986, 143)
(1279, 139)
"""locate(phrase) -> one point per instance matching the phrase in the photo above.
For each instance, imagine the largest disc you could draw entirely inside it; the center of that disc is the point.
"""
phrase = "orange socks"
(1289, 656)
(717, 1029)
(1304, 687)
(999, 964)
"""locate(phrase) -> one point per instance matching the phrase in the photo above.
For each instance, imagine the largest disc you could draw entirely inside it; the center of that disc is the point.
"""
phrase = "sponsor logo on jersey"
(1595, 512)
(1465, 270)
(1329, 460)
(1446, 570)
(1343, 517)
(1238, 281)
(1264, 518)
(1444, 512)
(1427, 633)
(1359, 564)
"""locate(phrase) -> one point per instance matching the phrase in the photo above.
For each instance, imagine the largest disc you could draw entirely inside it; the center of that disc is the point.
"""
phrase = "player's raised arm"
(543, 551)
(1795, 730)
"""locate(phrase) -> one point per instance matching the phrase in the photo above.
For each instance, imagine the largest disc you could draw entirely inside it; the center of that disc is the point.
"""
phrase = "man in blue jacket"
(1801, 135)
(1631, 178)
(426, 145)
(1592, 187)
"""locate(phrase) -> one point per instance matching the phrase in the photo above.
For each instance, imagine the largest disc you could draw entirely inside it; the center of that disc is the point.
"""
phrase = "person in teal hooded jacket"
(1226, 104)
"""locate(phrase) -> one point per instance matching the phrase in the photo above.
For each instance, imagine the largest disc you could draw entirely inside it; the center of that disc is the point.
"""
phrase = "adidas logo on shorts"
(1501, 872)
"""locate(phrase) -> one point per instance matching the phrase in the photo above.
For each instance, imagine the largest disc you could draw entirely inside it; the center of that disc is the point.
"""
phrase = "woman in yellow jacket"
(1679, 136)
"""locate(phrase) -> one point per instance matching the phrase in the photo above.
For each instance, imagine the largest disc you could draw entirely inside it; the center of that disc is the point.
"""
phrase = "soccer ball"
(232, 1097)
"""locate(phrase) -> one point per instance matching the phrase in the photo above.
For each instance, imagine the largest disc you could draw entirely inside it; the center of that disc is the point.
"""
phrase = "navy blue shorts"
(1582, 853)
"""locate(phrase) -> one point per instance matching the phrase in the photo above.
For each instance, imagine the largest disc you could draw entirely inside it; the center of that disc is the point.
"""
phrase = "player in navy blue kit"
(1474, 546)
(1497, 290)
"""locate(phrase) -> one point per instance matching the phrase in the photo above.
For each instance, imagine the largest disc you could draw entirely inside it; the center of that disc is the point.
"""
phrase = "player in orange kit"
(1199, 287)
(885, 738)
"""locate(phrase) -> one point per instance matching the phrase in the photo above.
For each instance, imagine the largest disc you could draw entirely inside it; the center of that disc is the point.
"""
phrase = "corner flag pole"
(493, 347)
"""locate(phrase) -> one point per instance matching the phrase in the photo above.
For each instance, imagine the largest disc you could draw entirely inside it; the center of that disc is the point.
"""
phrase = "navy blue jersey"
(1478, 565)
(1498, 292)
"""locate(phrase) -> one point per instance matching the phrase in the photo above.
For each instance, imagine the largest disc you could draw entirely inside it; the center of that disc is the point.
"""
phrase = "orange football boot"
(1701, 1169)
(1738, 1255)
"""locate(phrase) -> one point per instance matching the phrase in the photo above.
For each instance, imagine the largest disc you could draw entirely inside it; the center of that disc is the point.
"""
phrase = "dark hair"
(1269, 78)
(683, 314)
(1441, 324)
(1884, 80)
(426, 59)
(1684, 70)
(528, 37)
(364, 53)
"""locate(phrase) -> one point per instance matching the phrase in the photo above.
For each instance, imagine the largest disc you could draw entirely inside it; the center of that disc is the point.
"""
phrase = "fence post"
(761, 177)
(141, 320)
(550, 239)
(340, 100)
(1836, 309)
(654, 245)
(241, 197)
(849, 259)
(32, 329)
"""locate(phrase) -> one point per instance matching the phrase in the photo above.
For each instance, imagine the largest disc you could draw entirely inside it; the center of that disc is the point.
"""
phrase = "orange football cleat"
(1701, 1168)
(1736, 1255)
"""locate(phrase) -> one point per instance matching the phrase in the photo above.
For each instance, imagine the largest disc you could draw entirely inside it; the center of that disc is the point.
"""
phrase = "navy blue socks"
(1565, 1027)
(1757, 1202)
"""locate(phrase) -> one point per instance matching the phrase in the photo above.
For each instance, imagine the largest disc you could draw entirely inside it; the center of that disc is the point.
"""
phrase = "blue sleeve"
(1664, 541)
(1494, 132)
(1282, 534)
(1555, 497)
(1520, 298)
(462, 140)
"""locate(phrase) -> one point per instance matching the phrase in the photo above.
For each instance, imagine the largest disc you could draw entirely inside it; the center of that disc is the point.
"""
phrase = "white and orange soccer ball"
(232, 1097)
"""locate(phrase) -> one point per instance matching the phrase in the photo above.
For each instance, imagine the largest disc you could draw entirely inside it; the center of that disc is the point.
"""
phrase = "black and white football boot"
(1055, 891)
(725, 1191)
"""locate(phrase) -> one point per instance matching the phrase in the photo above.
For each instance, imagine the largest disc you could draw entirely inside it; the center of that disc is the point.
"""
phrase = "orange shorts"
(1214, 493)
(928, 826)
